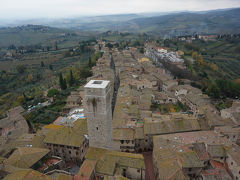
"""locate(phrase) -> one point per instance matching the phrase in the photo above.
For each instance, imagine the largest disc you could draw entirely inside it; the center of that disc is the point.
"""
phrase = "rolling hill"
(175, 23)
(36, 34)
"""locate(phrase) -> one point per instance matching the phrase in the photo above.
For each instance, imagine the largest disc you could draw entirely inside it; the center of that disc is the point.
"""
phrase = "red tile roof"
(217, 165)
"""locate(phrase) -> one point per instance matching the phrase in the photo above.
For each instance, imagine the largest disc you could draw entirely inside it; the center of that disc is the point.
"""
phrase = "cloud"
(64, 8)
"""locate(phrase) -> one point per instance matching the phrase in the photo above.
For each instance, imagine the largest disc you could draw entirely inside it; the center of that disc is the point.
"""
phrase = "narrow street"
(116, 83)
(149, 175)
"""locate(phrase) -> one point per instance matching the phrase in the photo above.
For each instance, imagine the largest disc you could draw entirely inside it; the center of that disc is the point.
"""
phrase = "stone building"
(124, 139)
(233, 162)
(168, 84)
(232, 113)
(99, 112)
(194, 102)
(232, 133)
(14, 124)
(69, 143)
(192, 155)
(113, 163)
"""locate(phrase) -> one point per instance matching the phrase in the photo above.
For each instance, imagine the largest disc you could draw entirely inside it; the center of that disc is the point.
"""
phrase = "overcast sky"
(67, 8)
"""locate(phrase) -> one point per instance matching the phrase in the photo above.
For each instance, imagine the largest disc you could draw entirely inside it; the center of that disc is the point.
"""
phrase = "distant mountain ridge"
(222, 21)
(175, 23)
(164, 24)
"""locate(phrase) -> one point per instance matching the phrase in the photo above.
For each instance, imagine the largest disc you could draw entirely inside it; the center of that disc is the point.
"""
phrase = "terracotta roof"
(25, 157)
(27, 174)
(87, 169)
(69, 136)
(190, 160)
(123, 134)
(201, 151)
(208, 137)
(33, 140)
(115, 178)
(215, 174)
(95, 153)
(61, 176)
(107, 164)
(157, 126)
(217, 165)
(216, 151)
(167, 164)
(107, 161)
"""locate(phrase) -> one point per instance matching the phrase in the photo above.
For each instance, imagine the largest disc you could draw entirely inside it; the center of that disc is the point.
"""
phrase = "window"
(231, 163)
(138, 170)
(127, 141)
(97, 128)
(122, 141)
(70, 152)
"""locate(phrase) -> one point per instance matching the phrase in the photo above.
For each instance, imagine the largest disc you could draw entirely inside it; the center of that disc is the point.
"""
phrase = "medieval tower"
(99, 113)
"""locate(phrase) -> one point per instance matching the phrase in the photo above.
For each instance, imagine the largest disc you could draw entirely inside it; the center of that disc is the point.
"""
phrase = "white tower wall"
(99, 113)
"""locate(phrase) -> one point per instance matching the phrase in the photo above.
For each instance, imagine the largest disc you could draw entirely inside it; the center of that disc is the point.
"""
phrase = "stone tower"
(99, 113)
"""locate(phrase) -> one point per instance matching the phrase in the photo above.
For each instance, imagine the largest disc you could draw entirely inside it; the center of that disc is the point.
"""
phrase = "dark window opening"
(97, 82)
(124, 173)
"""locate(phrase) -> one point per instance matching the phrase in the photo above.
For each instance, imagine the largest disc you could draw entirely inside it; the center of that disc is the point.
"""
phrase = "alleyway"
(116, 83)
(149, 166)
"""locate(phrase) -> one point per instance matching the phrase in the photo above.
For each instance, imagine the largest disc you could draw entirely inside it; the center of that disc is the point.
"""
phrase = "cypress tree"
(42, 64)
(71, 78)
(89, 62)
(62, 82)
